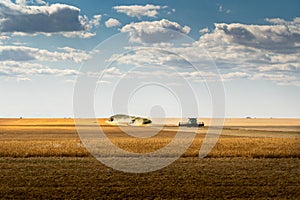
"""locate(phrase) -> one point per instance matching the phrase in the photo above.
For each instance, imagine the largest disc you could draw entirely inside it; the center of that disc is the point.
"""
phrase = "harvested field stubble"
(187, 178)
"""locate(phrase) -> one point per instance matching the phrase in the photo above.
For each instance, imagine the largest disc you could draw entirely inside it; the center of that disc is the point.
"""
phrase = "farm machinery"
(192, 122)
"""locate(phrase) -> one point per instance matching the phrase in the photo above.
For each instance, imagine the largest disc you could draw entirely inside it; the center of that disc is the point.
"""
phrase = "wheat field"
(45, 159)
(58, 137)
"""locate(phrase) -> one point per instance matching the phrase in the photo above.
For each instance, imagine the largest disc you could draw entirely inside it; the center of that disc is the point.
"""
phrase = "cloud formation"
(281, 36)
(204, 30)
(24, 53)
(155, 31)
(56, 18)
(266, 52)
(111, 22)
(23, 70)
(139, 11)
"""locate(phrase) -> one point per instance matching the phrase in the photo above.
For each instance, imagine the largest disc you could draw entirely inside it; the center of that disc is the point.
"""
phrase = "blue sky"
(254, 44)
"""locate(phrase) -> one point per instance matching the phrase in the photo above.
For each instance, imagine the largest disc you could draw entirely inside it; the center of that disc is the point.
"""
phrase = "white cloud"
(276, 20)
(103, 82)
(155, 31)
(267, 52)
(204, 30)
(23, 70)
(75, 34)
(112, 71)
(24, 53)
(88, 24)
(222, 9)
(233, 75)
(280, 79)
(4, 37)
(41, 2)
(47, 19)
(111, 22)
(23, 79)
(278, 36)
(22, 62)
(139, 10)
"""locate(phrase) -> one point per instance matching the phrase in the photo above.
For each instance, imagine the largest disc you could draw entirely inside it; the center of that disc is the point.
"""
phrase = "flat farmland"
(253, 158)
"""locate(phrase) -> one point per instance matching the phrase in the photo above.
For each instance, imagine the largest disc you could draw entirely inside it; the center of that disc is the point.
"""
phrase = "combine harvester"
(192, 122)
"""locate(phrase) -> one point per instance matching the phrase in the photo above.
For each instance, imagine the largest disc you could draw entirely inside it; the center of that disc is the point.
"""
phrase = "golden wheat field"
(253, 158)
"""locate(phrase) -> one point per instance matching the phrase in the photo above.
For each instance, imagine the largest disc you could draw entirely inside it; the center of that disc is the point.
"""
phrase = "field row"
(226, 147)
(187, 178)
(48, 141)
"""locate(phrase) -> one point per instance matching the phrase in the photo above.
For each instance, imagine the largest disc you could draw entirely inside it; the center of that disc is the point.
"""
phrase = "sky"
(159, 57)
